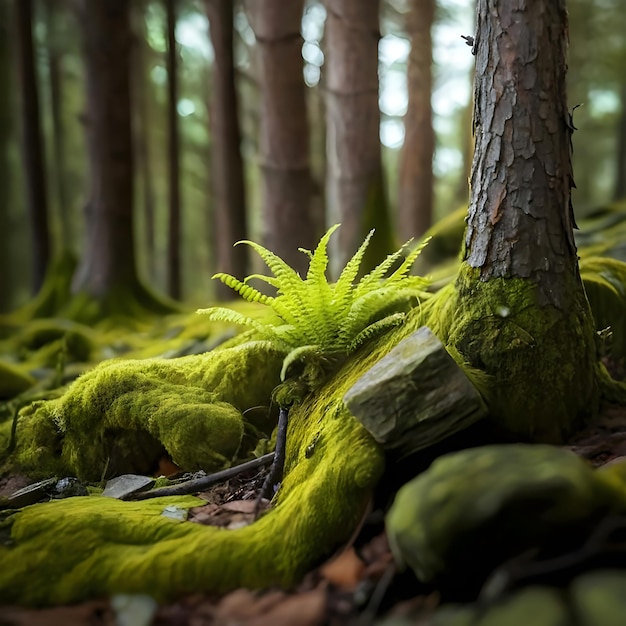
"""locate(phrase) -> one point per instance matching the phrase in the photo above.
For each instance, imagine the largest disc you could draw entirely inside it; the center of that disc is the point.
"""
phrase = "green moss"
(486, 504)
(541, 360)
(605, 285)
(13, 380)
(66, 551)
(122, 415)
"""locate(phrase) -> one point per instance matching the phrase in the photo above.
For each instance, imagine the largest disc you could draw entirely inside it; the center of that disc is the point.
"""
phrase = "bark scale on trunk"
(415, 191)
(33, 144)
(284, 130)
(229, 193)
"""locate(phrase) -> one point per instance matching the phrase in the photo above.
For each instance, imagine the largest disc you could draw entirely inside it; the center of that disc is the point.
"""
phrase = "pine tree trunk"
(620, 162)
(229, 193)
(521, 313)
(415, 193)
(174, 277)
(355, 194)
(284, 130)
(55, 61)
(108, 260)
(6, 126)
(142, 124)
(33, 145)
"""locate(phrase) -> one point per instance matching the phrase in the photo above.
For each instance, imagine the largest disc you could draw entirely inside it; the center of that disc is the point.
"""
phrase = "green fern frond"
(344, 284)
(319, 259)
(245, 291)
(298, 354)
(228, 316)
(373, 279)
(407, 264)
(316, 323)
(287, 281)
(375, 329)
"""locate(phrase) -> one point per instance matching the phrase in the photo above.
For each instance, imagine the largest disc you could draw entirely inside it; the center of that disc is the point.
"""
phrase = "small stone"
(126, 484)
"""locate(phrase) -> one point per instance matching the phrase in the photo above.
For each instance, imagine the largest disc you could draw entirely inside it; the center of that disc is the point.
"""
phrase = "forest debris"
(122, 486)
(133, 609)
(415, 396)
(345, 571)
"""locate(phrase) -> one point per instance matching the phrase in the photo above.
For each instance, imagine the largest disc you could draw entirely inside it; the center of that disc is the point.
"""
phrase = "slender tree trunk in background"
(6, 131)
(284, 130)
(229, 193)
(415, 192)
(467, 150)
(174, 277)
(522, 314)
(355, 194)
(32, 143)
(142, 122)
(620, 162)
(108, 260)
(55, 62)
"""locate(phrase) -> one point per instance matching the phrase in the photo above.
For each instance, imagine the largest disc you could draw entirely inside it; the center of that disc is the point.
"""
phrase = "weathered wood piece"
(415, 396)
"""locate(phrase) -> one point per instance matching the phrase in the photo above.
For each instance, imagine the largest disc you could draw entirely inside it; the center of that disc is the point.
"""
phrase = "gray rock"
(415, 396)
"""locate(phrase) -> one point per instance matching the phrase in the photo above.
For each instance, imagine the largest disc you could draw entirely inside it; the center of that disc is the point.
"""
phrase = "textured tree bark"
(33, 145)
(229, 192)
(109, 256)
(520, 217)
(415, 192)
(284, 130)
(174, 275)
(521, 314)
(355, 194)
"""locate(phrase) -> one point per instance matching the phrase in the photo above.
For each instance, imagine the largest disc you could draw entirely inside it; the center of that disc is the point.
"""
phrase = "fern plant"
(317, 323)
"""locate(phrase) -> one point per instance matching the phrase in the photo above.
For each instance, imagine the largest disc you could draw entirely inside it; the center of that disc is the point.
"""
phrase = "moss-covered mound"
(486, 505)
(123, 415)
(65, 551)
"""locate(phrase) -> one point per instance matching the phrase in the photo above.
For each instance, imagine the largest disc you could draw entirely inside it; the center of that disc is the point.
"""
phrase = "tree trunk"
(174, 222)
(6, 127)
(415, 193)
(32, 143)
(108, 261)
(55, 61)
(229, 193)
(521, 314)
(142, 123)
(284, 131)
(355, 194)
(620, 161)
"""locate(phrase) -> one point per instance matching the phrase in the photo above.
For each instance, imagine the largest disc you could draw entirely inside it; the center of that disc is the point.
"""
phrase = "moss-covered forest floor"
(358, 585)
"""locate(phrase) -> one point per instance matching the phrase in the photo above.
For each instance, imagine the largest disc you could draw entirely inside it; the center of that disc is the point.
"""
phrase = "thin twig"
(276, 472)
(199, 484)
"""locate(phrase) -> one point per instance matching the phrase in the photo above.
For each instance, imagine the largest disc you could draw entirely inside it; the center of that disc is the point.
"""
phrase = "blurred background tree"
(231, 167)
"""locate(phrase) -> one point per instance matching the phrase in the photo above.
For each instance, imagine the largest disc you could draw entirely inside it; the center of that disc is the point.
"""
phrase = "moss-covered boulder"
(484, 505)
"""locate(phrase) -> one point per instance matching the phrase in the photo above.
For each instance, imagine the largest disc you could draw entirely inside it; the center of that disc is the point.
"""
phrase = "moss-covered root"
(13, 380)
(67, 551)
(122, 415)
(542, 360)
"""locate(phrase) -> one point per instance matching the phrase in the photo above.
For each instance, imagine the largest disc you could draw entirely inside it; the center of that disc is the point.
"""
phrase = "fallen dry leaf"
(345, 570)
